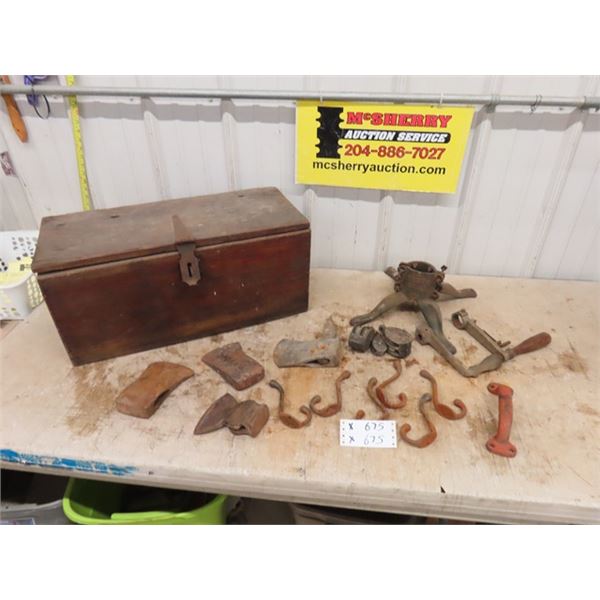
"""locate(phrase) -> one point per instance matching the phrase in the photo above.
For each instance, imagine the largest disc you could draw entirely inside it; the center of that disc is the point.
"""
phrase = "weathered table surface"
(60, 419)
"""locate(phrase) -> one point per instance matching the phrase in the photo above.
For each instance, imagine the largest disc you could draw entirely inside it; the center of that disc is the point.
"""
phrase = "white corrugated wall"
(528, 203)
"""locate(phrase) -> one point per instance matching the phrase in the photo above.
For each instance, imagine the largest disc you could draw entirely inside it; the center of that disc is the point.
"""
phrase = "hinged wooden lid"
(101, 236)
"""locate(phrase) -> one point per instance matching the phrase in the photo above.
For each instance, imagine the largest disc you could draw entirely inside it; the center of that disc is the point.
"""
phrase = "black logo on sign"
(329, 131)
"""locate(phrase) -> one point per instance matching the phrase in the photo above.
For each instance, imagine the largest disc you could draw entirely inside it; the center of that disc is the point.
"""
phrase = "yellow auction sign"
(381, 146)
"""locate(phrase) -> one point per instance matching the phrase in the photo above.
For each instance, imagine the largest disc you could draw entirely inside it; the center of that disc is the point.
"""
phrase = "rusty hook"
(371, 391)
(335, 408)
(443, 409)
(285, 418)
(402, 399)
(499, 443)
(426, 439)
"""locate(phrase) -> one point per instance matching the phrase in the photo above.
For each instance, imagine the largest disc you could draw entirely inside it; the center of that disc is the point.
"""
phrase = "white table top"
(60, 419)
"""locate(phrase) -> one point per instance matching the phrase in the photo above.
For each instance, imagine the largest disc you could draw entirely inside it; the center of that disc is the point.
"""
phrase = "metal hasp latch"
(185, 245)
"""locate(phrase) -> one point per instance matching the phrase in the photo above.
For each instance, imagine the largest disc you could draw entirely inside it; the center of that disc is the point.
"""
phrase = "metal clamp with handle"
(500, 352)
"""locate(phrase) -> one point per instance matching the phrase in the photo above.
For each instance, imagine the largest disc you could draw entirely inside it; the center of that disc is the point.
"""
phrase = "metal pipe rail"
(581, 102)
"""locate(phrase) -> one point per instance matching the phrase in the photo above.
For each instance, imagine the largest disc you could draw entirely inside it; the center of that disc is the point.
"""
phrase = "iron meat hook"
(335, 408)
(443, 409)
(285, 418)
(402, 399)
(426, 439)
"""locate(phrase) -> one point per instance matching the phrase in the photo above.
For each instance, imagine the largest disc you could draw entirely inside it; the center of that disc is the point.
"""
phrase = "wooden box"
(132, 278)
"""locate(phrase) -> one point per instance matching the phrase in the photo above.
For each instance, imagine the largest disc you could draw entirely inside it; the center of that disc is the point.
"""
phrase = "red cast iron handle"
(443, 409)
(500, 443)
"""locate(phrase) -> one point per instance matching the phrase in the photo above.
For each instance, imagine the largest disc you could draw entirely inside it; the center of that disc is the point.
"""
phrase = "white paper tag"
(368, 434)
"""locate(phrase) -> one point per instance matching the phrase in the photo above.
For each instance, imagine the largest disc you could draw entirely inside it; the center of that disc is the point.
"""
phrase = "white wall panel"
(344, 224)
(117, 157)
(571, 247)
(45, 164)
(527, 203)
(474, 84)
(583, 236)
(187, 140)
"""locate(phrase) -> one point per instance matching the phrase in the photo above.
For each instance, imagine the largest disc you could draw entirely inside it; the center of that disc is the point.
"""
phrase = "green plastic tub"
(101, 503)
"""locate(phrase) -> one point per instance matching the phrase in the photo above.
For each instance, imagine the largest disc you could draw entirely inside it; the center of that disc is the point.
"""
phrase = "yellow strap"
(82, 171)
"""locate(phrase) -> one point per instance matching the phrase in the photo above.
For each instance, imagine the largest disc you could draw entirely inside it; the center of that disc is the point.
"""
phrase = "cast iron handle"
(500, 443)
